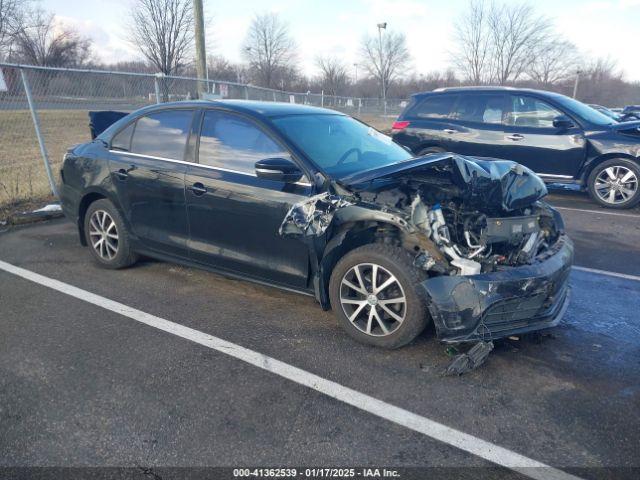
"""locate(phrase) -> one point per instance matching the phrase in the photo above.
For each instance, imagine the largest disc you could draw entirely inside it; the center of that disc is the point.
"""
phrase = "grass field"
(22, 174)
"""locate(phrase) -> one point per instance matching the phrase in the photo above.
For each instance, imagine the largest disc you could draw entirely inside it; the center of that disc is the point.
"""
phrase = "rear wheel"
(107, 236)
(376, 296)
(615, 183)
(428, 150)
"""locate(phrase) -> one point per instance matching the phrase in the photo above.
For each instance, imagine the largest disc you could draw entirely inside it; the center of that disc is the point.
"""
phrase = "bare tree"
(555, 60)
(384, 59)
(163, 31)
(220, 68)
(334, 76)
(11, 12)
(269, 48)
(40, 41)
(516, 32)
(473, 40)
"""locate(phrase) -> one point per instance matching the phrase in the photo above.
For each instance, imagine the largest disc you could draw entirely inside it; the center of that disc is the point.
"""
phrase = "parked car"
(559, 138)
(606, 111)
(314, 201)
(630, 113)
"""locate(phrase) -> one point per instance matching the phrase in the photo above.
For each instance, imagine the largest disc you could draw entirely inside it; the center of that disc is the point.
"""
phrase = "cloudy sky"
(603, 28)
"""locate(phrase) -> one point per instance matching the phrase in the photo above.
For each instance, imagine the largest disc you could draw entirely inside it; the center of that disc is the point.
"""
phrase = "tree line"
(493, 44)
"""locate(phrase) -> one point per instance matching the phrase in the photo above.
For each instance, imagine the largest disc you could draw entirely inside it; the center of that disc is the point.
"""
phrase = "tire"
(607, 178)
(107, 236)
(389, 261)
(429, 150)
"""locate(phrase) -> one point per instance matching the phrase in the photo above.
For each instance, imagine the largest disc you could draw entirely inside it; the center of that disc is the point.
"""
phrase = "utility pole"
(201, 54)
(382, 26)
(575, 85)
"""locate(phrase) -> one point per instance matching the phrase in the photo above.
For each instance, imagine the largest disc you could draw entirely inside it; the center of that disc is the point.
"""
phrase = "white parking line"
(626, 276)
(456, 438)
(599, 212)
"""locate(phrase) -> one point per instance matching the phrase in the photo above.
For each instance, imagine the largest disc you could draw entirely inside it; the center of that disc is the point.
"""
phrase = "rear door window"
(530, 112)
(436, 106)
(162, 134)
(480, 108)
(231, 142)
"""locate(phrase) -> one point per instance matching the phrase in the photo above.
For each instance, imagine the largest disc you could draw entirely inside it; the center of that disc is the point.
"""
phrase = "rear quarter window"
(162, 134)
(435, 106)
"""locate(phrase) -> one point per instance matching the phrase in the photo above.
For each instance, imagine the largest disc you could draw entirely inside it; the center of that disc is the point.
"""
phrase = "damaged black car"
(317, 202)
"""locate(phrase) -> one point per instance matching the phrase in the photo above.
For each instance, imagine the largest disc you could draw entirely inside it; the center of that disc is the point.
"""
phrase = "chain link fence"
(43, 111)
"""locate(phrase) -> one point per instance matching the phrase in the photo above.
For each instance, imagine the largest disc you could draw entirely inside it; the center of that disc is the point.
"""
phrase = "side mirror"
(279, 169)
(562, 122)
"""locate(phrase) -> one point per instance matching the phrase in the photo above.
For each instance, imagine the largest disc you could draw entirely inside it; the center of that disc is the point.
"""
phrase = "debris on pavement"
(465, 362)
(52, 207)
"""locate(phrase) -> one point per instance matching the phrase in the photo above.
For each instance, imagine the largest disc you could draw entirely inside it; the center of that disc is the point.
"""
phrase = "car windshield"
(584, 111)
(340, 145)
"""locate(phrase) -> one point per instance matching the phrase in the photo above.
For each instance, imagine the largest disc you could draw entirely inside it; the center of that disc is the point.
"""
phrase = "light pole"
(201, 55)
(575, 85)
(382, 26)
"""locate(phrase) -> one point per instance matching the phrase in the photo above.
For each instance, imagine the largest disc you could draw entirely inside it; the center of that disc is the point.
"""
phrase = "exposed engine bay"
(459, 215)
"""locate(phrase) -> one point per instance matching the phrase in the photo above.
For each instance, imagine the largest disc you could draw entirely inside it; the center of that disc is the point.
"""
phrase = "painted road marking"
(598, 212)
(464, 441)
(626, 276)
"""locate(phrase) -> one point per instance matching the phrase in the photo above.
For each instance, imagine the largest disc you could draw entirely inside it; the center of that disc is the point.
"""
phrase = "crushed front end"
(505, 302)
(496, 258)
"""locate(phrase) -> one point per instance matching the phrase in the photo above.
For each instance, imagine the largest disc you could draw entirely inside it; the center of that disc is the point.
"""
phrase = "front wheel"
(376, 296)
(615, 183)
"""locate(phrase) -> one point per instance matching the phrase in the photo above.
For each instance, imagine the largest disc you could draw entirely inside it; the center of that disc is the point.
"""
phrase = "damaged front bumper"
(494, 305)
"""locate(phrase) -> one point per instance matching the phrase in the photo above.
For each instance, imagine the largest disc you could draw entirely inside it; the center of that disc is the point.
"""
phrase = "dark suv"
(561, 139)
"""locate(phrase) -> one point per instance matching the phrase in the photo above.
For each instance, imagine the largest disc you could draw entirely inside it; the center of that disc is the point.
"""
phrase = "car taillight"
(399, 125)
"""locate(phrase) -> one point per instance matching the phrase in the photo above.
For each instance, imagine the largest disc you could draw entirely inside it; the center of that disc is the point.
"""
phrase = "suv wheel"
(376, 296)
(428, 150)
(615, 183)
(107, 236)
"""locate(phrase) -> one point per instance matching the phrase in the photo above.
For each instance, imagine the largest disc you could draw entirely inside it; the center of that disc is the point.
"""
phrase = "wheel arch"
(90, 196)
(593, 163)
(347, 237)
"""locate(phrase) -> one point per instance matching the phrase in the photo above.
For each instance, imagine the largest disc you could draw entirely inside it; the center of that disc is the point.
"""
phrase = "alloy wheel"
(103, 234)
(616, 184)
(373, 299)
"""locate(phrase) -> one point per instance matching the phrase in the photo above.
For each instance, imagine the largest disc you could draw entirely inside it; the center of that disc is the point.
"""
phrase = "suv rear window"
(434, 106)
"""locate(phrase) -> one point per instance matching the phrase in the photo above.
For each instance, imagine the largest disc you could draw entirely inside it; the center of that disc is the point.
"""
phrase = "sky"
(600, 28)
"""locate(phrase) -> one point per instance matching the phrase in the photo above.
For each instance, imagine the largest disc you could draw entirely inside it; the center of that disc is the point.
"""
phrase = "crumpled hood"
(483, 182)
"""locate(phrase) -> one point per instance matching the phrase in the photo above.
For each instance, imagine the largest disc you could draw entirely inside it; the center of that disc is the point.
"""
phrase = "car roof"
(483, 89)
(266, 109)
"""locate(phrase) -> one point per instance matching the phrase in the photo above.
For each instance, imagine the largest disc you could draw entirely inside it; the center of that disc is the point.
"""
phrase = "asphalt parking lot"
(84, 385)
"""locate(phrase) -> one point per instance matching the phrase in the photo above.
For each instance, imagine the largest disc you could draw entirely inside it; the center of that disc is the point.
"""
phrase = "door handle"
(122, 174)
(450, 131)
(515, 137)
(198, 189)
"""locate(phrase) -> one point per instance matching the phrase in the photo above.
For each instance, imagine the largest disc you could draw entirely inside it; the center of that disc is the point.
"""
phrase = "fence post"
(359, 105)
(322, 98)
(157, 87)
(36, 126)
(246, 92)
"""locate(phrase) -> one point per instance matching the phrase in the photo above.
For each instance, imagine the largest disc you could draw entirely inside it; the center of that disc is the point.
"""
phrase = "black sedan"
(317, 202)
(561, 139)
